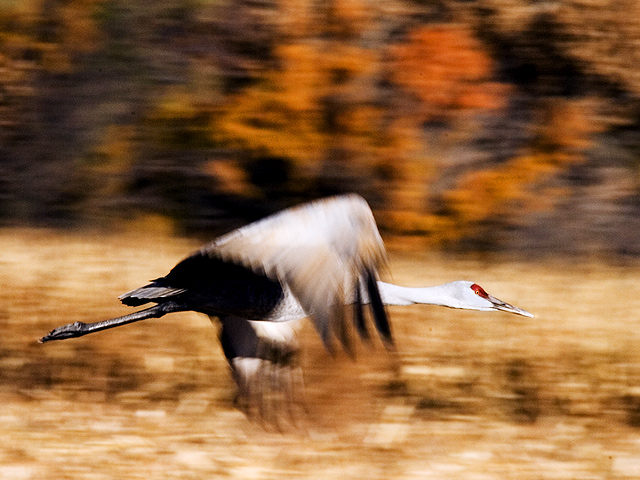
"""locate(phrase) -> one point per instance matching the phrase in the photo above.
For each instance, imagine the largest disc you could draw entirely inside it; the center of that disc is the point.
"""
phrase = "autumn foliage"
(448, 70)
(459, 122)
(485, 200)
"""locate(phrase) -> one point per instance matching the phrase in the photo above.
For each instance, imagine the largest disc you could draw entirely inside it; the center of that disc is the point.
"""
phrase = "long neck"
(398, 295)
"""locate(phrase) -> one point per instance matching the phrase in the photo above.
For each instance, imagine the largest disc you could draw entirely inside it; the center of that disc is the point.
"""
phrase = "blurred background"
(482, 125)
(496, 141)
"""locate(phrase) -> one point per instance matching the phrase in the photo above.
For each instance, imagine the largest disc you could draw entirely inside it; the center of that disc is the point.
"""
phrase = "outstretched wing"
(323, 251)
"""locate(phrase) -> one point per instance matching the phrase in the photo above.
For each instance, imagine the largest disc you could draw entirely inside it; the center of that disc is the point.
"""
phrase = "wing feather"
(358, 315)
(380, 317)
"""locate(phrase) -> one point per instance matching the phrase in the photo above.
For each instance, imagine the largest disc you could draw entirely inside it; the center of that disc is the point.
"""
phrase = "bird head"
(470, 295)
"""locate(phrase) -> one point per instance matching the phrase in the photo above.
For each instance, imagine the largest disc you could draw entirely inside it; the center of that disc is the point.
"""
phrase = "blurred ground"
(479, 395)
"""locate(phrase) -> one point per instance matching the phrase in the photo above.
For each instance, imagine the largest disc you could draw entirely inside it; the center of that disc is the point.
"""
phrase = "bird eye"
(478, 290)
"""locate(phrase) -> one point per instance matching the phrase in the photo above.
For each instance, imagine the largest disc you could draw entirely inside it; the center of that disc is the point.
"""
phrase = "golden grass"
(472, 396)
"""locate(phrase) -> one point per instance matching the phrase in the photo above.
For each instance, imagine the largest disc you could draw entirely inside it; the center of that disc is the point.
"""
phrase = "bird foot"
(66, 331)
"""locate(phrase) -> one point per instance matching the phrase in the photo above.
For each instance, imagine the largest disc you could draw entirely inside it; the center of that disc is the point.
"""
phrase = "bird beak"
(505, 307)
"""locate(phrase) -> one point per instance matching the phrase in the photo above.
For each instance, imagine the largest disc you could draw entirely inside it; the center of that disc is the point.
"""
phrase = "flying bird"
(319, 260)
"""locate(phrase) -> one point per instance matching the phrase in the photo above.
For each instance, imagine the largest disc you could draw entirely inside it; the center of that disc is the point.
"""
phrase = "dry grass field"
(472, 395)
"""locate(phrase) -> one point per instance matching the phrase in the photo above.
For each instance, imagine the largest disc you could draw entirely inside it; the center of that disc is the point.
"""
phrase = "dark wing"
(264, 358)
(212, 286)
(322, 251)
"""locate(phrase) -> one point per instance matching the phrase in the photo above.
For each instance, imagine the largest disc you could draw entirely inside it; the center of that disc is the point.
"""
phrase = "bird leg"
(78, 329)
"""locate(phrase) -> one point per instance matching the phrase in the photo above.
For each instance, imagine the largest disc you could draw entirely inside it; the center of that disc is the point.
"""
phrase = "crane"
(319, 260)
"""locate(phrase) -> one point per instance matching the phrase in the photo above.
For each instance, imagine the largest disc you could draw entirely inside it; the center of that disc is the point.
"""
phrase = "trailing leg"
(78, 329)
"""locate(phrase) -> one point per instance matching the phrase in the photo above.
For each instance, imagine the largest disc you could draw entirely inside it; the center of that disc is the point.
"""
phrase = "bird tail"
(153, 292)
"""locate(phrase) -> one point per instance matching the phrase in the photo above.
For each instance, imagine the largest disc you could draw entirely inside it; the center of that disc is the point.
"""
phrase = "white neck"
(397, 295)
